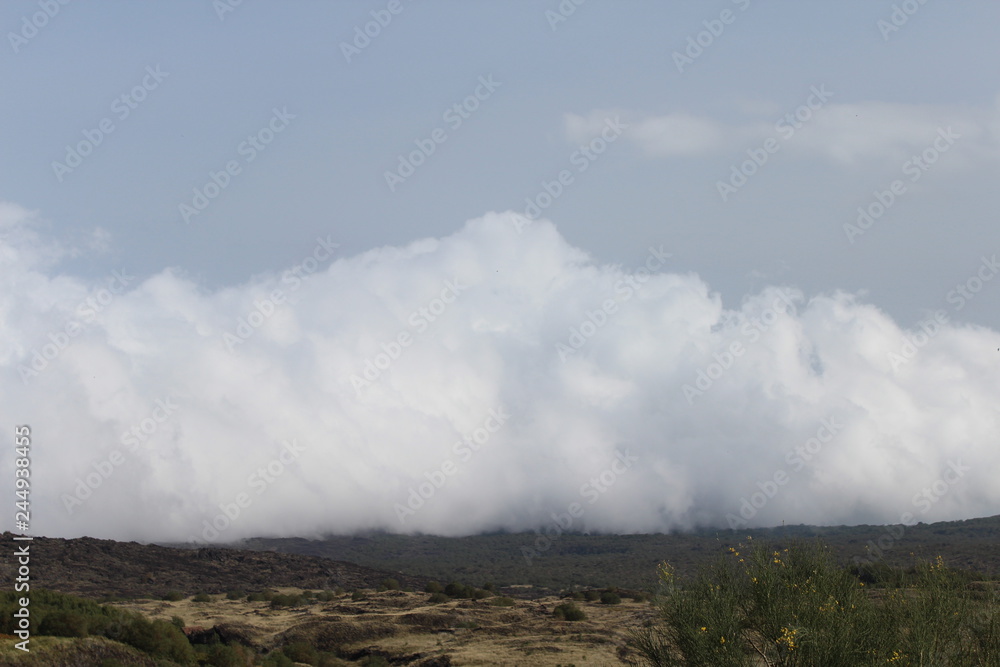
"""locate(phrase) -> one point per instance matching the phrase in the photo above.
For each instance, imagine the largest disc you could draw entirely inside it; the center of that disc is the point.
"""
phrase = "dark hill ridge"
(630, 560)
(96, 568)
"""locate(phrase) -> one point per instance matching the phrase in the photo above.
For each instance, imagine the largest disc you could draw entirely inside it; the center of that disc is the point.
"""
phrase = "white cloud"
(679, 134)
(847, 133)
(490, 345)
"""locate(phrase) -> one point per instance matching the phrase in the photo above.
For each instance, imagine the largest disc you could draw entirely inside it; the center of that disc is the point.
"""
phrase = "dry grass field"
(399, 625)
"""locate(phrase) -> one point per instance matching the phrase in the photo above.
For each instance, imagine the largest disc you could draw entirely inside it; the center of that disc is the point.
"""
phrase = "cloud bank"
(849, 134)
(486, 380)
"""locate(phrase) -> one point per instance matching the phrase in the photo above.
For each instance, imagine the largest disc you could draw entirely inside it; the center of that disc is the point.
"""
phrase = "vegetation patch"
(796, 606)
(568, 611)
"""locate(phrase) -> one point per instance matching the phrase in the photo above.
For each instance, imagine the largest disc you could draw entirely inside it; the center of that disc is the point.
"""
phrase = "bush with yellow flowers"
(765, 605)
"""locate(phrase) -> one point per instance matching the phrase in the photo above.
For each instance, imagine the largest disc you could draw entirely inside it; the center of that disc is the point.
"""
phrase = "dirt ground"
(399, 625)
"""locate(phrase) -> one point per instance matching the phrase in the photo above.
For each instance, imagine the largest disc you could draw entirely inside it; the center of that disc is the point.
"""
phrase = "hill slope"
(97, 568)
(630, 560)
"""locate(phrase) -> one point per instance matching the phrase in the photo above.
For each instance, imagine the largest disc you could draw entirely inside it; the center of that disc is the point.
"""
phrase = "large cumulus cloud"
(482, 381)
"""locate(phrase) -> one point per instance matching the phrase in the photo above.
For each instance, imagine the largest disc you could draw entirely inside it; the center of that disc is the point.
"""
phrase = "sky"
(293, 268)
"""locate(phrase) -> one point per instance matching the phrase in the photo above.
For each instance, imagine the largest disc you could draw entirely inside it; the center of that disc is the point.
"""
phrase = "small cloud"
(679, 134)
(846, 133)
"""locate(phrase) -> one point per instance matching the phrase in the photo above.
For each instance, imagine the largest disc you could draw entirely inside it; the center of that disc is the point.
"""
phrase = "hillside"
(102, 568)
(630, 560)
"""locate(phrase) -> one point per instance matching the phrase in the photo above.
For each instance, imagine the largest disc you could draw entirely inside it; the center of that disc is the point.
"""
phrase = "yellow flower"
(787, 638)
(704, 629)
(722, 640)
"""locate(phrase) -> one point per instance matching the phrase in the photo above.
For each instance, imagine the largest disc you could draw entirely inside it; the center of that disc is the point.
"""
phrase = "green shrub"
(433, 587)
(68, 615)
(610, 597)
(278, 659)
(202, 597)
(568, 611)
(222, 655)
(178, 622)
(285, 600)
(501, 602)
(796, 606)
(173, 596)
(235, 594)
(158, 638)
(301, 652)
(358, 595)
(63, 624)
(438, 598)
(457, 590)
(390, 584)
(591, 596)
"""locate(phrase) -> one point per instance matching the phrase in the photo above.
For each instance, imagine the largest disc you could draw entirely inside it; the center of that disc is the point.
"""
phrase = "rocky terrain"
(106, 568)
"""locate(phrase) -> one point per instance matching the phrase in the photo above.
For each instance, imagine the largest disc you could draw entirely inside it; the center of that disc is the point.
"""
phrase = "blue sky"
(326, 173)
(230, 144)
